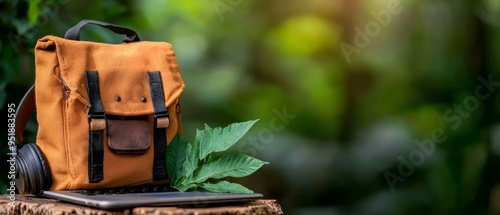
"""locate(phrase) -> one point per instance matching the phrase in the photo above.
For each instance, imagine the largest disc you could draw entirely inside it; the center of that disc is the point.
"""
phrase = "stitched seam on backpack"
(66, 143)
(62, 70)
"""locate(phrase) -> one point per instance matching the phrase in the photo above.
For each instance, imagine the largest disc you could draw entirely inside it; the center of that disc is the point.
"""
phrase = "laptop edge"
(130, 200)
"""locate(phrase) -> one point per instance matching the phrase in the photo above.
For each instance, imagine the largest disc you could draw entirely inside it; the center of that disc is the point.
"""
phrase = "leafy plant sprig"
(190, 165)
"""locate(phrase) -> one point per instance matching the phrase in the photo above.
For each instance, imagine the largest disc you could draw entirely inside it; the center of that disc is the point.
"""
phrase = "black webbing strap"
(97, 124)
(160, 132)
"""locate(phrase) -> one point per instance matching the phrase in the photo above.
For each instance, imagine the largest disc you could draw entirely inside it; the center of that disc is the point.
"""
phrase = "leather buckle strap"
(161, 123)
(97, 125)
(161, 119)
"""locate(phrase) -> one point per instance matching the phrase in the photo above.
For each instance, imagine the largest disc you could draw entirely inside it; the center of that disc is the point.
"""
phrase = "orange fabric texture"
(61, 99)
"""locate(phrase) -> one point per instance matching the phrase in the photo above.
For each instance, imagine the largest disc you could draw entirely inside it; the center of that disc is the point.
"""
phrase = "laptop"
(130, 197)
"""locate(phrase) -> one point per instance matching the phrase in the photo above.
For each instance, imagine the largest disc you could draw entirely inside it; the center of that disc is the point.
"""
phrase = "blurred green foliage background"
(340, 126)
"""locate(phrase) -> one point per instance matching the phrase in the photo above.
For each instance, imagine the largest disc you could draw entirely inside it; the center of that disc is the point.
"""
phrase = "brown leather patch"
(129, 134)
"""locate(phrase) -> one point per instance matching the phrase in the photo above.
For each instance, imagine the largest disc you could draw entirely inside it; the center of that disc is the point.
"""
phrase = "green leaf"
(238, 165)
(176, 157)
(182, 187)
(190, 163)
(219, 139)
(225, 187)
(199, 139)
(184, 160)
(196, 145)
(208, 158)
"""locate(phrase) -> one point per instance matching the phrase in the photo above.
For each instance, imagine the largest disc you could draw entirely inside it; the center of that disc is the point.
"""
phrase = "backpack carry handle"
(74, 32)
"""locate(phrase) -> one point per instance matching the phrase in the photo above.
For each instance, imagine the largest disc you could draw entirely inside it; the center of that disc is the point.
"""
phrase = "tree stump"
(30, 204)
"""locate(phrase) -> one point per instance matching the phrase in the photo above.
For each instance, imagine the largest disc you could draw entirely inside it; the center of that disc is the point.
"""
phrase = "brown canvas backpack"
(105, 113)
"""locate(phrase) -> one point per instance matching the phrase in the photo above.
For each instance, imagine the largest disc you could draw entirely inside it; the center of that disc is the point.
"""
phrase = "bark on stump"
(29, 204)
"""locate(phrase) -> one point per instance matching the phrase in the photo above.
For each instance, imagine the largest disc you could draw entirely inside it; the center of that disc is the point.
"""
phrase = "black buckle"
(161, 114)
(157, 116)
(91, 116)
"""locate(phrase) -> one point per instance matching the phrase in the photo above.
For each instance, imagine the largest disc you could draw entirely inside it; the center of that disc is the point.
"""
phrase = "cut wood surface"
(30, 204)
